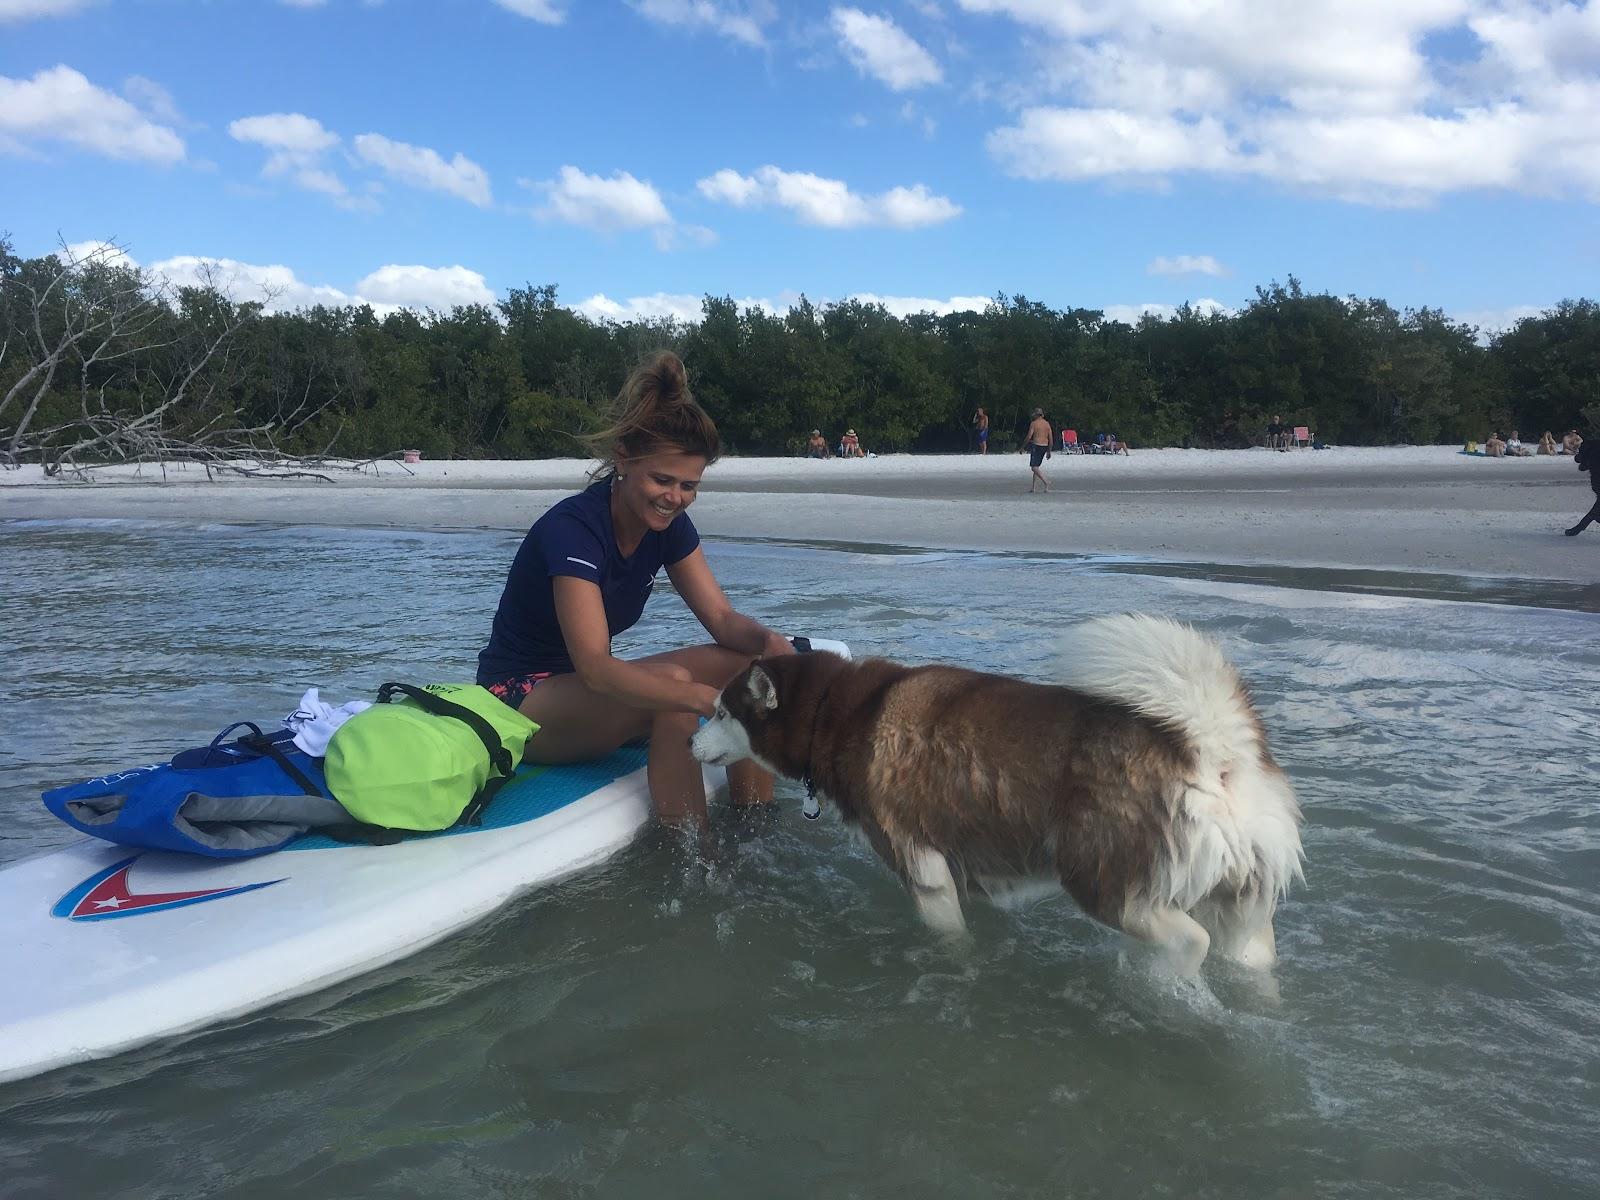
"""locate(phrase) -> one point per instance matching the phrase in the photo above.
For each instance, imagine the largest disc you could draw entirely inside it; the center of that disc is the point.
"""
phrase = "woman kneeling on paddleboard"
(582, 576)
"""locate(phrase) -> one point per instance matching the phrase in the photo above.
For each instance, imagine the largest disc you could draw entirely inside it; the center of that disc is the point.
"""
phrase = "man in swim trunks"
(1037, 444)
(980, 422)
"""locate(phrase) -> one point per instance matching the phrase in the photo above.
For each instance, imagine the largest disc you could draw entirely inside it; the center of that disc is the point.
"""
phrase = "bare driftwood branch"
(163, 375)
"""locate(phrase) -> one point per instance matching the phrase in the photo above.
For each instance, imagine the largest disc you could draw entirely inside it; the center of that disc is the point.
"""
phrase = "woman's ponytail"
(654, 412)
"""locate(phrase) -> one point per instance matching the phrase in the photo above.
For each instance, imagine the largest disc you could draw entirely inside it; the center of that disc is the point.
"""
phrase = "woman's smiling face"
(655, 488)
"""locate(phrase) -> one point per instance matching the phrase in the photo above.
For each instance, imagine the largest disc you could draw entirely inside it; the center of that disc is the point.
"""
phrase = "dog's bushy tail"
(1242, 820)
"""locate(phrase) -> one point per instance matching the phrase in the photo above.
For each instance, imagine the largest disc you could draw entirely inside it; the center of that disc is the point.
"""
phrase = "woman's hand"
(776, 645)
(703, 699)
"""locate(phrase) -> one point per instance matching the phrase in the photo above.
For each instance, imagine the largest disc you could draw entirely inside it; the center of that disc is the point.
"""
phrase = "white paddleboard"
(104, 948)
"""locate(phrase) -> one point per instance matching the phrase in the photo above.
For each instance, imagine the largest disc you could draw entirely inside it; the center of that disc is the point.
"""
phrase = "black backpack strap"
(257, 741)
(501, 766)
(216, 743)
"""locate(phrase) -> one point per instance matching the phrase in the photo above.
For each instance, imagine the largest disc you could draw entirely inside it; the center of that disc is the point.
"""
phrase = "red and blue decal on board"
(107, 894)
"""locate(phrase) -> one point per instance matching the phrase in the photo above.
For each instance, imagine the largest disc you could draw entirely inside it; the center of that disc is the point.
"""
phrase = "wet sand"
(1406, 509)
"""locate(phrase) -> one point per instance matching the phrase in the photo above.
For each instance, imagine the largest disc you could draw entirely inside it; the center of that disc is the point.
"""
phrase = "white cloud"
(424, 168)
(880, 48)
(546, 12)
(439, 288)
(154, 99)
(1492, 321)
(59, 104)
(679, 306)
(297, 144)
(905, 306)
(292, 133)
(684, 307)
(829, 203)
(742, 22)
(388, 289)
(607, 205)
(245, 282)
(107, 253)
(1187, 264)
(1344, 53)
(1080, 143)
(1343, 98)
(1129, 314)
(27, 10)
(730, 187)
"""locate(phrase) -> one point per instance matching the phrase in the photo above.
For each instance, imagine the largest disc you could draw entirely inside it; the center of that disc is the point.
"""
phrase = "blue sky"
(639, 153)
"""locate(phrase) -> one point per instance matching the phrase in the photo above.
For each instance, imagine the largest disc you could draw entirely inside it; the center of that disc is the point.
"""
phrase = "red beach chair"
(1069, 442)
(1302, 435)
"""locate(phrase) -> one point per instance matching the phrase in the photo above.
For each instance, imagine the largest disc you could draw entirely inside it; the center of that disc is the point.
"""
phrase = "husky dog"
(1142, 785)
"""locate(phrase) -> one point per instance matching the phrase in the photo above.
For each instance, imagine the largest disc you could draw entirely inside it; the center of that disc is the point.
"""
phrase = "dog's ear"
(762, 690)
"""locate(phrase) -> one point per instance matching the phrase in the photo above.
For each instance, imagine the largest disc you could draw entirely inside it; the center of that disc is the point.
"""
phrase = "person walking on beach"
(583, 575)
(980, 422)
(1588, 459)
(1037, 444)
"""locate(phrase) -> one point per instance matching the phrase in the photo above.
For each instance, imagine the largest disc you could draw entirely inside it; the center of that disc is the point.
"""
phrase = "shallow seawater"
(779, 1024)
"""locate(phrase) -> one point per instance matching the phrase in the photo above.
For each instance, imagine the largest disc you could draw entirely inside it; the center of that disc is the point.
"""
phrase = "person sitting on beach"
(1277, 435)
(1514, 446)
(1547, 443)
(850, 445)
(1037, 444)
(1495, 446)
(817, 445)
(582, 576)
(980, 422)
(1115, 445)
(1570, 442)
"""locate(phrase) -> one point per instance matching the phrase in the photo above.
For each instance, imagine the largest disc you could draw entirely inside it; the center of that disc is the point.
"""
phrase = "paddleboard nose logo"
(107, 894)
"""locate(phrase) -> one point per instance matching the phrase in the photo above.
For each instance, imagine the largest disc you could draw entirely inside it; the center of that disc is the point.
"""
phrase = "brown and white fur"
(1143, 786)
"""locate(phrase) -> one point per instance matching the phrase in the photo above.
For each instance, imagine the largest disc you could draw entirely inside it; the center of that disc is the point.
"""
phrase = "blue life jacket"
(231, 800)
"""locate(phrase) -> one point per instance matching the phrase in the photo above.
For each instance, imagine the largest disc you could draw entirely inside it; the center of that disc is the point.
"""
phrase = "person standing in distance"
(1037, 444)
(980, 422)
(583, 575)
(1586, 458)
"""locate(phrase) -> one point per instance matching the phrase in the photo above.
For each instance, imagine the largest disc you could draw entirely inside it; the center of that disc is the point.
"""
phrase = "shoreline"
(1421, 509)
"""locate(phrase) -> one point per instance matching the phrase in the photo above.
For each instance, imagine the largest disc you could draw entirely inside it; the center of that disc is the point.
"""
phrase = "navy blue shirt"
(574, 538)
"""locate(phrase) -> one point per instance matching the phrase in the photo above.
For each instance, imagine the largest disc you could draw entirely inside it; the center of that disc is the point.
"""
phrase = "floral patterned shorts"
(515, 690)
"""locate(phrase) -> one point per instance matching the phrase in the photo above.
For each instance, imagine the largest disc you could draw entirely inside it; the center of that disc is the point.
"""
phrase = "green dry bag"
(429, 762)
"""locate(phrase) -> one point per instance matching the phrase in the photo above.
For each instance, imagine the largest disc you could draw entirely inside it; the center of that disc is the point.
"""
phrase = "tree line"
(100, 362)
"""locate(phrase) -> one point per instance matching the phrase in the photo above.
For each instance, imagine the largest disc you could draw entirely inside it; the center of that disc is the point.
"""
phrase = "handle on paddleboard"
(807, 644)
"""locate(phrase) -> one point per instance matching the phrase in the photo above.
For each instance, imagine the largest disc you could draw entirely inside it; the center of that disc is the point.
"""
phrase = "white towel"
(315, 720)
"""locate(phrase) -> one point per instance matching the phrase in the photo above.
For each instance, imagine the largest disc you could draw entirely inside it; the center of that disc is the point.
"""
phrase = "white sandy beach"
(1395, 508)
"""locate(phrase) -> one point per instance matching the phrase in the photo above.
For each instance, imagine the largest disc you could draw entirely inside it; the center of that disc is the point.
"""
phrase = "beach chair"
(1302, 435)
(1069, 442)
